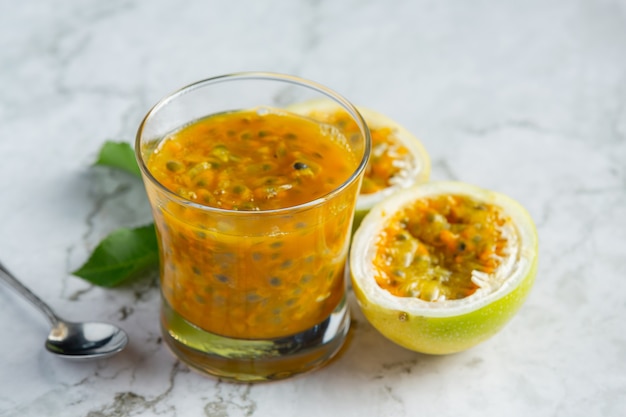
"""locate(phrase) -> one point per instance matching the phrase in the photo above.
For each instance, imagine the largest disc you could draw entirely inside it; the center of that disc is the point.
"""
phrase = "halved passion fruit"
(443, 266)
(398, 159)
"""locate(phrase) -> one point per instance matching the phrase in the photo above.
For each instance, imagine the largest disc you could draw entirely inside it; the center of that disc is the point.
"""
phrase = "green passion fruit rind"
(413, 170)
(448, 326)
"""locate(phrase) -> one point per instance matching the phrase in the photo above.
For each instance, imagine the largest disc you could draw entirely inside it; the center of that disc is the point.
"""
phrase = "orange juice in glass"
(253, 207)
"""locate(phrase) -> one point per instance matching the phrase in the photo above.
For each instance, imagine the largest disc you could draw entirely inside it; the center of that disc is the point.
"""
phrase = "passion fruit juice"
(256, 245)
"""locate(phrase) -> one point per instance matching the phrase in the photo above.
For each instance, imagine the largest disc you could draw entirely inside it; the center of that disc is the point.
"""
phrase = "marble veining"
(527, 97)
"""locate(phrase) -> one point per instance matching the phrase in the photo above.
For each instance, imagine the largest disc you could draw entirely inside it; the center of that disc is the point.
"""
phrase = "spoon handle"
(36, 301)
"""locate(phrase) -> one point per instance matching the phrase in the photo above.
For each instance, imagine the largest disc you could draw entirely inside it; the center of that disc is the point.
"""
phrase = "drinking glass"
(251, 295)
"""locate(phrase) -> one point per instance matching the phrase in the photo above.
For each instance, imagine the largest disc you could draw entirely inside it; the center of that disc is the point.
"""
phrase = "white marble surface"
(527, 97)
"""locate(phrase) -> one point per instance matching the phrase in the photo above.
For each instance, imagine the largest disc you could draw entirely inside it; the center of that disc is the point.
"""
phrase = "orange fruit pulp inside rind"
(446, 325)
(444, 248)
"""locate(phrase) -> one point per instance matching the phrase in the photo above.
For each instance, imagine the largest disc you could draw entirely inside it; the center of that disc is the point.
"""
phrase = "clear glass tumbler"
(250, 294)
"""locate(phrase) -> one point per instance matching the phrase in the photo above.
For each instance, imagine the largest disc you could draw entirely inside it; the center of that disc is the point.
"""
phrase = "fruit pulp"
(442, 248)
(235, 260)
(253, 160)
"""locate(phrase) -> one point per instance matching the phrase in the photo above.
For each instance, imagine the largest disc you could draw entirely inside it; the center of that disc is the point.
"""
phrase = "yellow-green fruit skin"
(358, 218)
(446, 335)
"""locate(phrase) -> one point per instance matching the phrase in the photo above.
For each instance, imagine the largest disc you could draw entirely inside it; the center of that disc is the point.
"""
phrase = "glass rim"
(267, 76)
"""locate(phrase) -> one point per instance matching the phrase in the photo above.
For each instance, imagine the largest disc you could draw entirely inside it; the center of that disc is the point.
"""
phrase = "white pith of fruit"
(514, 268)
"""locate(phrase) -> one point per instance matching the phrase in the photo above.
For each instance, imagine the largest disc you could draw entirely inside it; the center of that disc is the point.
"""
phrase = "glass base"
(255, 360)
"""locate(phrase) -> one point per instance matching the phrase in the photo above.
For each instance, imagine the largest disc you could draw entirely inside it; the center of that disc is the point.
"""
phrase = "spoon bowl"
(86, 340)
(90, 340)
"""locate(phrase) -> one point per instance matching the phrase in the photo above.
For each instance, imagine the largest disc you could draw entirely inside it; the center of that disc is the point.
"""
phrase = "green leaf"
(121, 256)
(119, 155)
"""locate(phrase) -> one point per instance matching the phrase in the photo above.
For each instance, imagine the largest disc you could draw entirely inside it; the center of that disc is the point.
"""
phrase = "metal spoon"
(73, 340)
